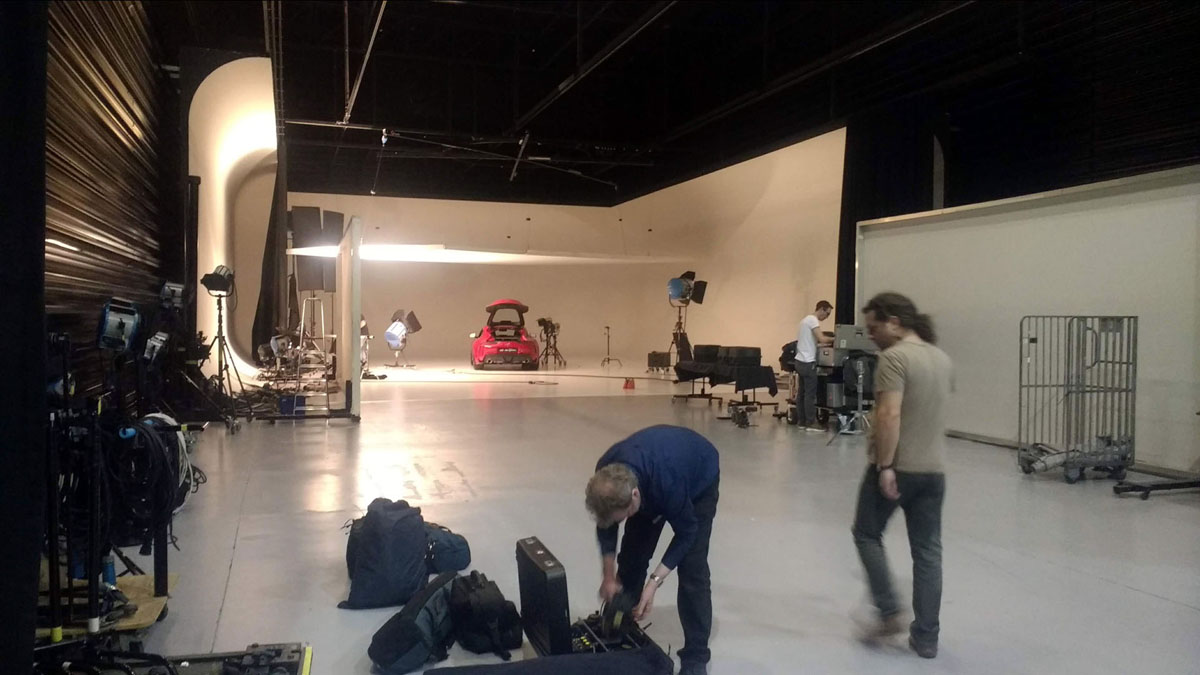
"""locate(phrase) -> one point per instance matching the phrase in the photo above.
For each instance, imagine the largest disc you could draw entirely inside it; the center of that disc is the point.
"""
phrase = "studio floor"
(1040, 576)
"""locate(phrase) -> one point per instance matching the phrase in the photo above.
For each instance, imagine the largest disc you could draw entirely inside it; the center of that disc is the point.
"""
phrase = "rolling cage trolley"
(1077, 394)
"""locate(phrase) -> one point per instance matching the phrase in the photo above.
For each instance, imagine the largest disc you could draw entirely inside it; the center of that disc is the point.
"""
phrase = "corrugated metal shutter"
(104, 185)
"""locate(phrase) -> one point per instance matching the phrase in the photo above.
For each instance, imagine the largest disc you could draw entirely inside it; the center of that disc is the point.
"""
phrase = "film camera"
(548, 326)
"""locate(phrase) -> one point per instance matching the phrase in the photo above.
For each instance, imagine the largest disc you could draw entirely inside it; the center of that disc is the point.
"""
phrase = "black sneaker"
(693, 668)
(923, 651)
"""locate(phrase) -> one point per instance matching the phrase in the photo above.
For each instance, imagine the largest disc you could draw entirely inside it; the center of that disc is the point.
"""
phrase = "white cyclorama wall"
(1129, 247)
(763, 233)
(769, 230)
(449, 299)
(231, 147)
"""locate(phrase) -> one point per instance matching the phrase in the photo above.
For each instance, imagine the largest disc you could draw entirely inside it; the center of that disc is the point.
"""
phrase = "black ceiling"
(621, 98)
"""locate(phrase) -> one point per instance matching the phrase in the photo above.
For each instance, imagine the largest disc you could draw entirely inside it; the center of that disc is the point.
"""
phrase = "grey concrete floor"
(1040, 576)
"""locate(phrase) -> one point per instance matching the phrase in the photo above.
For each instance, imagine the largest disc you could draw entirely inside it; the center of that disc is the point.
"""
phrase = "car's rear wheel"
(477, 365)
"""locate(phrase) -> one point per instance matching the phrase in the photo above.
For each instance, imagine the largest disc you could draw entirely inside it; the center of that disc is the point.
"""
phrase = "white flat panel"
(978, 272)
(349, 302)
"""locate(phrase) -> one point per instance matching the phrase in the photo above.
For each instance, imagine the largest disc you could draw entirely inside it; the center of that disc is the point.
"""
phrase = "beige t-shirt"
(923, 373)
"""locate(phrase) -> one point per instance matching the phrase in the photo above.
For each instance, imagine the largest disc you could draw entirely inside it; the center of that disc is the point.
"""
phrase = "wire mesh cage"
(1078, 389)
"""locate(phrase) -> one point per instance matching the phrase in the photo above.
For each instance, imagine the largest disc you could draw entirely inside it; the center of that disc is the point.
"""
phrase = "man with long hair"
(660, 474)
(907, 466)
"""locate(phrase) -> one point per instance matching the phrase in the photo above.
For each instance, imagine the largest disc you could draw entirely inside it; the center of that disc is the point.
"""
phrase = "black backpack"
(484, 622)
(419, 633)
(385, 555)
(787, 357)
(448, 552)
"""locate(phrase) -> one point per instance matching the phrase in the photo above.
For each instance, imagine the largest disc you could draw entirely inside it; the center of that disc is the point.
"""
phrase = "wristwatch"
(658, 581)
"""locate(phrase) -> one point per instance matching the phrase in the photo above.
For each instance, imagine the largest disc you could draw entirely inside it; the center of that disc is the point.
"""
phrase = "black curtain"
(23, 50)
(272, 303)
(888, 171)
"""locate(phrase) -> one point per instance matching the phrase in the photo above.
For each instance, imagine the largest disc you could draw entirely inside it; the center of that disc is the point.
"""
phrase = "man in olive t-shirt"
(907, 464)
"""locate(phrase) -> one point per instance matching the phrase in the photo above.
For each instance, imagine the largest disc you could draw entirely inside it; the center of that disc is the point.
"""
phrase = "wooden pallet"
(140, 591)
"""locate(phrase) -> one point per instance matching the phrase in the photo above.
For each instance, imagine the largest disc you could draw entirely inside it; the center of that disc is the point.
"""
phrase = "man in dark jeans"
(808, 340)
(661, 474)
(912, 384)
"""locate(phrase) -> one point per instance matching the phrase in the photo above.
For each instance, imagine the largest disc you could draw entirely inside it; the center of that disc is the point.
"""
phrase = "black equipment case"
(544, 612)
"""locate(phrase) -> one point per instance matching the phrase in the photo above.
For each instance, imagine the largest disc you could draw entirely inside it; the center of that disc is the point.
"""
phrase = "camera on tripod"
(549, 328)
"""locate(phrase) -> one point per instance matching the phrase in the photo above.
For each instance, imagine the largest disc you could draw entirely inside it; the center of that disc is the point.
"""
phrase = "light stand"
(550, 353)
(858, 422)
(225, 363)
(679, 338)
(608, 357)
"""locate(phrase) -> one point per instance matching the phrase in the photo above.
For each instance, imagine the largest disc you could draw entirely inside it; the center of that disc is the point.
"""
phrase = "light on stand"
(681, 292)
(219, 281)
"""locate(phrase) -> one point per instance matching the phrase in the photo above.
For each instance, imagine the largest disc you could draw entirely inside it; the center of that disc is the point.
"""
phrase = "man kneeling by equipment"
(660, 474)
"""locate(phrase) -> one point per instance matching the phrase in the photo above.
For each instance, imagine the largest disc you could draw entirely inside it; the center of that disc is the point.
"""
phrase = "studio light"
(219, 281)
(154, 346)
(118, 325)
(684, 289)
(171, 295)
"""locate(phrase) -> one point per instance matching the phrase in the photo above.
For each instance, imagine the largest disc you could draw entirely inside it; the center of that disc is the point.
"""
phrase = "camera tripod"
(550, 355)
(608, 357)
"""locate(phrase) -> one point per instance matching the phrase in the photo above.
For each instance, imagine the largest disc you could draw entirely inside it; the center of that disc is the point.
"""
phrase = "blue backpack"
(419, 633)
(448, 552)
(385, 555)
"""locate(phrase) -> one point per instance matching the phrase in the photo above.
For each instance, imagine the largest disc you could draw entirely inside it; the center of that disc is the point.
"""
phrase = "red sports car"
(504, 341)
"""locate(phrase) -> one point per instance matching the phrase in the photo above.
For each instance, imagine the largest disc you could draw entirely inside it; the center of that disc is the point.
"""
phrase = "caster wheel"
(1117, 474)
(163, 615)
(1145, 496)
(1026, 468)
(1072, 476)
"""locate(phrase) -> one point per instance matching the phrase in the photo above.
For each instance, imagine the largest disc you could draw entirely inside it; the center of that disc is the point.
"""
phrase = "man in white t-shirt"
(807, 342)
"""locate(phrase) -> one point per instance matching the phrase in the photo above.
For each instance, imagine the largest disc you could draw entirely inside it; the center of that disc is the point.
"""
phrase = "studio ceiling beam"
(363, 69)
(627, 35)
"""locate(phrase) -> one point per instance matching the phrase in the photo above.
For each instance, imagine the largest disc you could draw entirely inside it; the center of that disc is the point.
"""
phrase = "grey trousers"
(806, 398)
(921, 497)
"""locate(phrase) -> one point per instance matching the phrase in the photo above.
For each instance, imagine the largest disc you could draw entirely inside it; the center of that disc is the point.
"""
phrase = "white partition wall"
(349, 304)
(1128, 247)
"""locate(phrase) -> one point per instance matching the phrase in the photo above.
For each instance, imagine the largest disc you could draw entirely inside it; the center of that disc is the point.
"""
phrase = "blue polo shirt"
(673, 466)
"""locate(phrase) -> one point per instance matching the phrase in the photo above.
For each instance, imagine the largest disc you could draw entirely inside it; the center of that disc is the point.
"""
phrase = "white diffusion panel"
(349, 301)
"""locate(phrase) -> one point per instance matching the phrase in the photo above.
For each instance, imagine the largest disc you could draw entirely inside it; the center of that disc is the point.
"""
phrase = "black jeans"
(921, 497)
(806, 398)
(695, 581)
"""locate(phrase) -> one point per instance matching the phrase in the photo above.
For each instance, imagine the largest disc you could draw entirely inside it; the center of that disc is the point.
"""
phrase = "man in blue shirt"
(661, 474)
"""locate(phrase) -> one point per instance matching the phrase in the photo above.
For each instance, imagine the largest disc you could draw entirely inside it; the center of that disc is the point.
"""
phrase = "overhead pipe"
(363, 69)
(478, 138)
(510, 158)
(603, 55)
(520, 154)
(399, 153)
